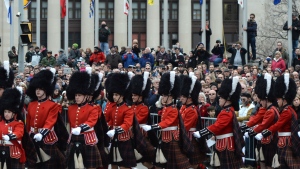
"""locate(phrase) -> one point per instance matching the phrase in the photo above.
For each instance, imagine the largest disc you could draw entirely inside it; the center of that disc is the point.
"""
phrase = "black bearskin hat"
(140, 85)
(165, 85)
(80, 83)
(6, 76)
(12, 100)
(119, 83)
(231, 93)
(44, 80)
(265, 84)
(98, 79)
(107, 82)
(281, 90)
(187, 83)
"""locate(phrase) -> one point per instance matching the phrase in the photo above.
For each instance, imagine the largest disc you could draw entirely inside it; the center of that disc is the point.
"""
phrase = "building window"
(143, 13)
(174, 11)
(78, 10)
(102, 10)
(44, 10)
(70, 9)
(196, 11)
(135, 10)
(33, 10)
(174, 38)
(230, 11)
(110, 12)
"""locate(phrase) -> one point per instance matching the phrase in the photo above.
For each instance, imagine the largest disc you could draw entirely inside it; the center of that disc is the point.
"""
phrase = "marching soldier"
(226, 129)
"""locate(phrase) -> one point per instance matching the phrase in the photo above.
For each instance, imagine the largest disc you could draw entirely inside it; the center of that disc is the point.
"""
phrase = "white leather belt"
(169, 128)
(35, 130)
(91, 129)
(8, 143)
(284, 134)
(224, 135)
(192, 129)
(141, 125)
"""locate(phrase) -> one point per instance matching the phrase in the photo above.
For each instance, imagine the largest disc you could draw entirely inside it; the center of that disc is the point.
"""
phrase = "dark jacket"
(163, 56)
(74, 54)
(218, 50)
(62, 59)
(202, 56)
(192, 62)
(208, 33)
(28, 56)
(233, 52)
(113, 60)
(296, 61)
(136, 51)
(295, 33)
(180, 59)
(13, 57)
(103, 35)
(251, 29)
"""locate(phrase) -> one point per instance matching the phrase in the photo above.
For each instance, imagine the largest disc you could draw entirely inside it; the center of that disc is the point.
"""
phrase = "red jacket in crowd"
(97, 57)
(278, 64)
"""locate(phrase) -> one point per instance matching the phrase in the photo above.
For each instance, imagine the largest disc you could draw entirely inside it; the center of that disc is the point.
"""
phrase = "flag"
(201, 2)
(92, 8)
(26, 3)
(241, 2)
(8, 7)
(276, 2)
(150, 2)
(126, 7)
(63, 8)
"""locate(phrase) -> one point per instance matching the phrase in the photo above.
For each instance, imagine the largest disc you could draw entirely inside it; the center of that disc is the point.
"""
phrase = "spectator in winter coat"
(129, 58)
(97, 57)
(296, 61)
(49, 60)
(278, 62)
(29, 54)
(113, 59)
(147, 57)
(162, 57)
(177, 58)
(62, 58)
(295, 31)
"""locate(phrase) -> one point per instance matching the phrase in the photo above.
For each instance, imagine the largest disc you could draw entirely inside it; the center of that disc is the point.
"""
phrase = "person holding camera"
(238, 57)
(201, 54)
(217, 53)
(104, 32)
(251, 33)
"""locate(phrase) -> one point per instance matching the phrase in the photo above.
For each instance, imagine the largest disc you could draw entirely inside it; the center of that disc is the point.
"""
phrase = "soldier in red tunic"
(41, 120)
(170, 151)
(266, 116)
(190, 89)
(226, 128)
(6, 77)
(140, 87)
(82, 151)
(286, 126)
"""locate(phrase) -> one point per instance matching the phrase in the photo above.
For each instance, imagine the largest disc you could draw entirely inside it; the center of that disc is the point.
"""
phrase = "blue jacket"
(129, 59)
(147, 58)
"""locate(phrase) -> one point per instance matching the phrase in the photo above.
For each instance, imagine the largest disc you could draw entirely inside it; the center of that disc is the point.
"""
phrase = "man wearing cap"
(74, 53)
(295, 28)
(113, 59)
(62, 58)
(49, 60)
(97, 57)
(129, 58)
(29, 54)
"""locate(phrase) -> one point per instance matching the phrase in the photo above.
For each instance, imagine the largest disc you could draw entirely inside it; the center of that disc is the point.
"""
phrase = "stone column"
(87, 32)
(216, 21)
(53, 26)
(4, 33)
(153, 24)
(185, 25)
(120, 24)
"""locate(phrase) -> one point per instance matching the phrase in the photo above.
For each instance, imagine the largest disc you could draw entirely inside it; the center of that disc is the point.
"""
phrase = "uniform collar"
(120, 104)
(42, 100)
(81, 104)
(8, 121)
(225, 107)
(167, 105)
(138, 103)
(188, 105)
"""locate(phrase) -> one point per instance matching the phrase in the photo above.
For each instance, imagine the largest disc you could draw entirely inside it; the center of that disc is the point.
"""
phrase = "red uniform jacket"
(284, 122)
(141, 112)
(17, 128)
(169, 118)
(223, 125)
(108, 111)
(189, 116)
(257, 118)
(203, 110)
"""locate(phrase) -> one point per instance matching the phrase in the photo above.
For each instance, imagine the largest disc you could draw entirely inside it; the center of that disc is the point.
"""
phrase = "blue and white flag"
(8, 7)
(276, 2)
(201, 2)
(92, 8)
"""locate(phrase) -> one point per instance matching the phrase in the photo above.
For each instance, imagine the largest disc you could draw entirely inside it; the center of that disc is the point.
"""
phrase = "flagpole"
(12, 24)
(130, 23)
(203, 22)
(21, 57)
(245, 38)
(38, 23)
(290, 43)
(66, 29)
(166, 30)
(96, 15)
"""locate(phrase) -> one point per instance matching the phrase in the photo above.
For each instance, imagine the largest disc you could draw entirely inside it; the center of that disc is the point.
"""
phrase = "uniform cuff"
(84, 127)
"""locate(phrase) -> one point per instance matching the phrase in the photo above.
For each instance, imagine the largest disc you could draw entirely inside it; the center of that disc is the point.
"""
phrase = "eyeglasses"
(211, 94)
(247, 76)
(147, 68)
(251, 17)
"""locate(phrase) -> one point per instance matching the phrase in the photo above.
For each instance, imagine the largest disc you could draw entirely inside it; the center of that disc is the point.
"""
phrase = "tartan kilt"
(57, 159)
(175, 158)
(197, 156)
(228, 160)
(11, 163)
(149, 155)
(269, 150)
(126, 152)
(103, 154)
(286, 158)
(90, 154)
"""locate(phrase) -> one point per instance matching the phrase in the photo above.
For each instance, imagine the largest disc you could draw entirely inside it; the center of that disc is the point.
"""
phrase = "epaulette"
(193, 106)
(227, 109)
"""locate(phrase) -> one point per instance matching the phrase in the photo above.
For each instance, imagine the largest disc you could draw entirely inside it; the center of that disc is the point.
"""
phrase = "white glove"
(197, 134)
(38, 137)
(259, 136)
(76, 131)
(246, 135)
(111, 133)
(5, 138)
(146, 127)
(299, 133)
